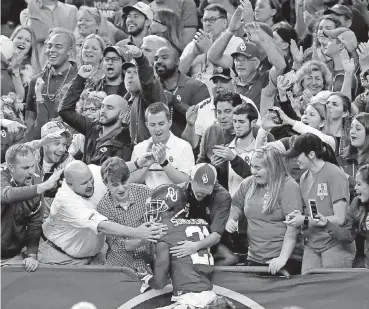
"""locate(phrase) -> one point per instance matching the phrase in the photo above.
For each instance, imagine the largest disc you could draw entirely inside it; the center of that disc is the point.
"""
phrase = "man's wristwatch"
(165, 163)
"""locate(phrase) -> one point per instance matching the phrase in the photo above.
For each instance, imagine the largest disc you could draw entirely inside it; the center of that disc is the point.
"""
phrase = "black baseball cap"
(222, 73)
(339, 9)
(114, 49)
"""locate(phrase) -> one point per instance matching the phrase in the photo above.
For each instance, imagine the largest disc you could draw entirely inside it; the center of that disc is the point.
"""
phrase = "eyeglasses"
(158, 21)
(112, 59)
(90, 109)
(211, 20)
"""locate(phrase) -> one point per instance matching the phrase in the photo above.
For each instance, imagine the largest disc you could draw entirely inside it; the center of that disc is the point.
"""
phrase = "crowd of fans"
(258, 110)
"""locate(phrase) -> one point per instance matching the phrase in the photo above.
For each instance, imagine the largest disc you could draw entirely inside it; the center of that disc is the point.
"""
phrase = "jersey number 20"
(207, 258)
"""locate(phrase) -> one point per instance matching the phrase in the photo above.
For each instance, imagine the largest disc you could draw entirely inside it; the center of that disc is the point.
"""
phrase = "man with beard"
(194, 57)
(137, 20)
(185, 90)
(75, 232)
(51, 156)
(243, 145)
(104, 138)
(44, 89)
(21, 212)
(112, 82)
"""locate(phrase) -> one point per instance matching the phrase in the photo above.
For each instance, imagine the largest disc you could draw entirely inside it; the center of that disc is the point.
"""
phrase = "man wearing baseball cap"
(137, 20)
(51, 156)
(222, 80)
(112, 82)
(341, 38)
(351, 18)
(253, 76)
(209, 201)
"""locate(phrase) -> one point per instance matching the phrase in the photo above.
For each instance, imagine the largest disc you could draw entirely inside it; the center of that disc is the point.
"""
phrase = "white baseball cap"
(141, 7)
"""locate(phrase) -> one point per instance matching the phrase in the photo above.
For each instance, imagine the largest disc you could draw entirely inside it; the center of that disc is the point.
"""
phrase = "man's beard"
(137, 31)
(245, 134)
(167, 73)
(110, 122)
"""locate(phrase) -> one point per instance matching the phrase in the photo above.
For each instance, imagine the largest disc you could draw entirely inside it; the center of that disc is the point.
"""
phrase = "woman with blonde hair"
(166, 24)
(91, 53)
(90, 21)
(266, 198)
(25, 62)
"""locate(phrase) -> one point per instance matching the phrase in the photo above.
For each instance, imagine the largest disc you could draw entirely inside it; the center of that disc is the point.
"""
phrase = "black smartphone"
(275, 116)
(313, 208)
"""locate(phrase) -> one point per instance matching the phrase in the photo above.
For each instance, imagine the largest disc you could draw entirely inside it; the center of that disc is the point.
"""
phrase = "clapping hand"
(191, 115)
(223, 152)
(159, 152)
(203, 41)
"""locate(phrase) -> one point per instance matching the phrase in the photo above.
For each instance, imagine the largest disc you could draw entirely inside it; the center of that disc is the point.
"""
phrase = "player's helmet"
(164, 198)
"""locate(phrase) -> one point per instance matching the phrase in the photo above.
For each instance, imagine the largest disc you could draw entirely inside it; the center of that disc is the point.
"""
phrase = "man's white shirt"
(73, 220)
(178, 152)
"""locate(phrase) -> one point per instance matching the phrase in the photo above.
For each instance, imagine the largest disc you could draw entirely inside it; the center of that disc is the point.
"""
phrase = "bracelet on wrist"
(136, 164)
(165, 163)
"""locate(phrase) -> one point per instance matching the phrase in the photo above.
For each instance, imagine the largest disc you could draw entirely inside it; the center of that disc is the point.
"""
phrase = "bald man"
(44, 90)
(185, 90)
(150, 46)
(106, 137)
(74, 233)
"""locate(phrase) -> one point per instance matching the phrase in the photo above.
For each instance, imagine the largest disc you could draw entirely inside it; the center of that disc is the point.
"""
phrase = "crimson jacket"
(96, 149)
(21, 216)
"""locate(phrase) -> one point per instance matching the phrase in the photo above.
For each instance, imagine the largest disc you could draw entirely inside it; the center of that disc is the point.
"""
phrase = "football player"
(190, 275)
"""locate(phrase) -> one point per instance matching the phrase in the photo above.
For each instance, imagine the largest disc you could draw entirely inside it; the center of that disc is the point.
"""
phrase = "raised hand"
(248, 12)
(50, 138)
(191, 115)
(236, 20)
(132, 51)
(363, 52)
(347, 62)
(297, 54)
(85, 70)
(12, 126)
(283, 84)
(202, 41)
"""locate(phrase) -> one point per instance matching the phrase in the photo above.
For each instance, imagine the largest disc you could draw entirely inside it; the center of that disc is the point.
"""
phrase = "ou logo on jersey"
(172, 194)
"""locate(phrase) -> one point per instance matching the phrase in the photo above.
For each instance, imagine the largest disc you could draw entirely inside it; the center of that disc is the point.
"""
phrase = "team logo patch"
(3, 133)
(205, 179)
(219, 69)
(322, 190)
(179, 97)
(243, 47)
(172, 194)
(171, 159)
(104, 149)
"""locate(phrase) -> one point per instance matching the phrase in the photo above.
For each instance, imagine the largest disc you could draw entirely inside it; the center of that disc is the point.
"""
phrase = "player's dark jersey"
(191, 273)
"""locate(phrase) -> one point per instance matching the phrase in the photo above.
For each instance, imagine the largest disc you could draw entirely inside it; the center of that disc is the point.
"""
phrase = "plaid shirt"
(133, 216)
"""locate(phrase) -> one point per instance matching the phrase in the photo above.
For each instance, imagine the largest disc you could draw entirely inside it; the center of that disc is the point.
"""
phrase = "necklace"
(52, 97)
